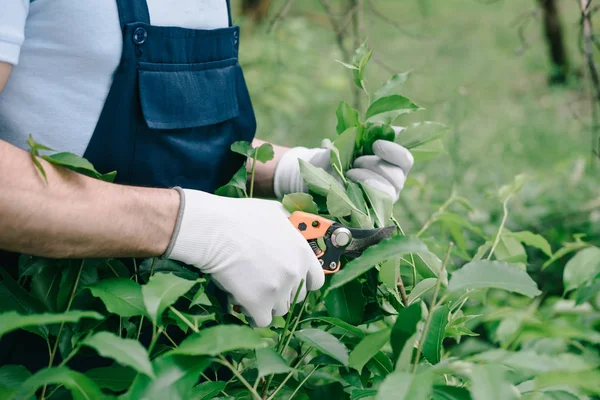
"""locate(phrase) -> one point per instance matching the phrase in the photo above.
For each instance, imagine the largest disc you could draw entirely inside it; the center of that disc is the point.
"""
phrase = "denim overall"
(177, 103)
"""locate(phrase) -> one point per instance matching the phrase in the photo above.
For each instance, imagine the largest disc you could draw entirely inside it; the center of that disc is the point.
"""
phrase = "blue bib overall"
(177, 103)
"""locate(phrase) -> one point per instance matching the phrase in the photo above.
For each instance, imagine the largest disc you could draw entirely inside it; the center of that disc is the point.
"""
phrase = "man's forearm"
(73, 216)
(264, 173)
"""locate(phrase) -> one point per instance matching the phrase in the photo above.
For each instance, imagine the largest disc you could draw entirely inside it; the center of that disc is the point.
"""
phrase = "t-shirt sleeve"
(12, 29)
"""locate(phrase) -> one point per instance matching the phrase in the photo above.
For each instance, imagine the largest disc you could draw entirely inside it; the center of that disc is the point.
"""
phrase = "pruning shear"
(336, 238)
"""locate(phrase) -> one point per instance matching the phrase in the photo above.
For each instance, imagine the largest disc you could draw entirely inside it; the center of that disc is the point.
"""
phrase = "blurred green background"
(472, 72)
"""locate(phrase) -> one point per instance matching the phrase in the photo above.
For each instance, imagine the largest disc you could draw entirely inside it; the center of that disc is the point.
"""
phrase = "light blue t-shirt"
(64, 54)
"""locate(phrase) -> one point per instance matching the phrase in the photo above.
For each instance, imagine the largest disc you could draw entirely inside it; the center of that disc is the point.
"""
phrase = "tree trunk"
(255, 9)
(554, 38)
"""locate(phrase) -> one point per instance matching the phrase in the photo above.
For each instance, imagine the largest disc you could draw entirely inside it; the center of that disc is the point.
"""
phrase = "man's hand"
(385, 171)
(250, 249)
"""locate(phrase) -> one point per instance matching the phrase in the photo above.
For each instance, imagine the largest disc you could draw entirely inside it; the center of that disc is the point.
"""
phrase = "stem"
(223, 361)
(161, 330)
(152, 267)
(400, 282)
(433, 216)
(62, 325)
(289, 317)
(432, 306)
(281, 350)
(184, 319)
(289, 375)
(135, 270)
(340, 173)
(499, 234)
(140, 328)
(299, 386)
(253, 170)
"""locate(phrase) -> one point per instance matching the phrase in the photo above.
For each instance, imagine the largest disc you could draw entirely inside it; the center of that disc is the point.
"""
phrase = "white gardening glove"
(385, 171)
(250, 249)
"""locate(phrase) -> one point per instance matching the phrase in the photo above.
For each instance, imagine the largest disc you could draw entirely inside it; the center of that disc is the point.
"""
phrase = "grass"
(504, 117)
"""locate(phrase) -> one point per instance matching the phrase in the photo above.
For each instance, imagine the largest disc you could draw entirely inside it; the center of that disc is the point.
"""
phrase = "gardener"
(153, 90)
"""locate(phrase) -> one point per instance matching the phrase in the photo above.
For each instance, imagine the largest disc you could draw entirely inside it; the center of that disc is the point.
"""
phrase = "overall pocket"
(190, 119)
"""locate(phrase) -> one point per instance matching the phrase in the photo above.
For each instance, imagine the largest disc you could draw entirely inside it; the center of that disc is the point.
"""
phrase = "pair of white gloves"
(249, 246)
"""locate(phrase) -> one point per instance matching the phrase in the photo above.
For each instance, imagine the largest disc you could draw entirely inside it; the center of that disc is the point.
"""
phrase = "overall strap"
(228, 12)
(133, 11)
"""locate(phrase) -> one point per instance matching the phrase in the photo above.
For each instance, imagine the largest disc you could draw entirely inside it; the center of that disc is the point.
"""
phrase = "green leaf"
(116, 377)
(154, 265)
(530, 363)
(236, 187)
(420, 289)
(317, 179)
(450, 393)
(242, 147)
(393, 247)
(338, 203)
(488, 382)
(300, 202)
(196, 319)
(582, 268)
(175, 379)
(78, 164)
(374, 132)
(11, 378)
(220, 339)
(389, 274)
(338, 323)
(264, 153)
(428, 265)
(14, 298)
(405, 359)
(349, 66)
(420, 134)
(9, 321)
(404, 327)
(567, 248)
(360, 59)
(387, 109)
(121, 296)
(347, 303)
(270, 362)
(428, 150)
(588, 381)
(161, 291)
(550, 395)
(324, 342)
(533, 240)
(432, 344)
(402, 385)
(207, 390)
(367, 348)
(81, 387)
(381, 203)
(126, 352)
(493, 274)
(393, 86)
(343, 152)
(585, 293)
(347, 117)
(380, 365)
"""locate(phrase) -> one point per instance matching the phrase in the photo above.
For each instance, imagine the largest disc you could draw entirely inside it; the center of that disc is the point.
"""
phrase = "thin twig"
(280, 15)
(432, 306)
(62, 325)
(222, 360)
(499, 234)
(588, 36)
(303, 382)
(434, 216)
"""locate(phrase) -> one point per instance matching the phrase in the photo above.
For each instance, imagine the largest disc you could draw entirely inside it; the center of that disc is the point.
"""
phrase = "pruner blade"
(337, 239)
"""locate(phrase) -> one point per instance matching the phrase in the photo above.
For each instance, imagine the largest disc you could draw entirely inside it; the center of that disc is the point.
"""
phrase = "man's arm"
(264, 173)
(5, 69)
(73, 216)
